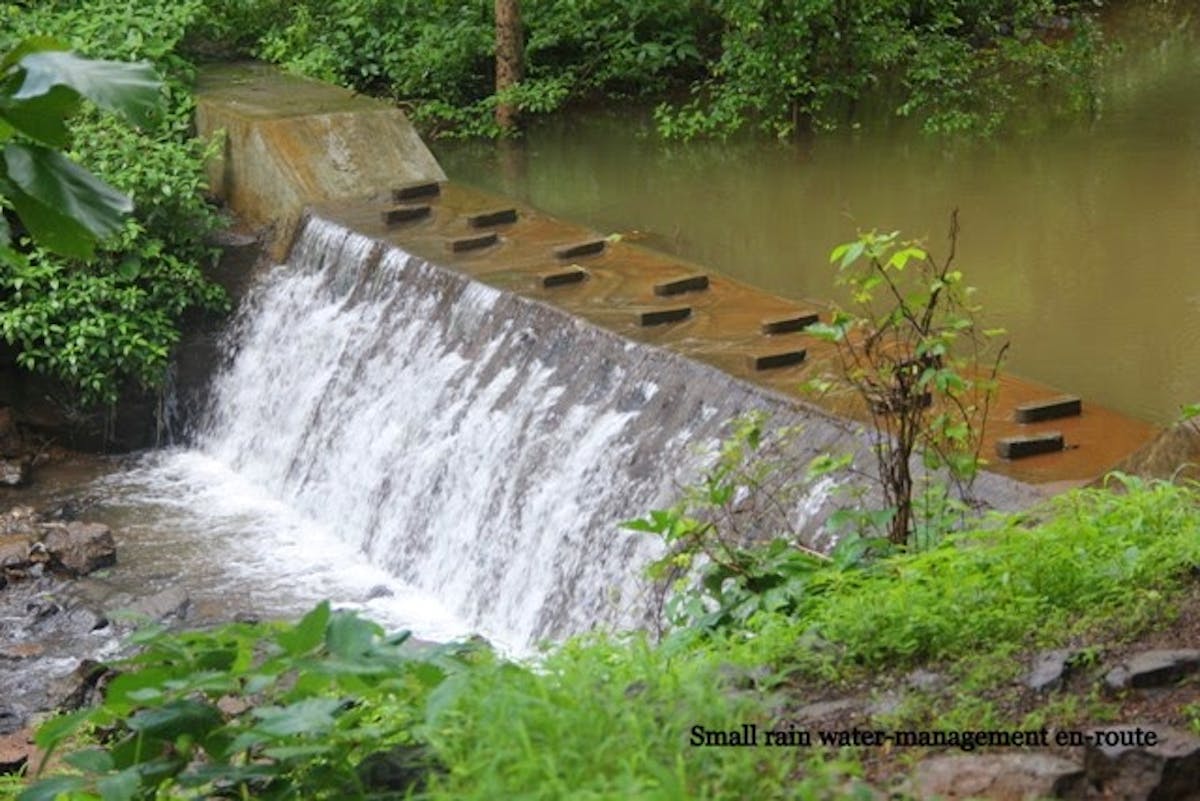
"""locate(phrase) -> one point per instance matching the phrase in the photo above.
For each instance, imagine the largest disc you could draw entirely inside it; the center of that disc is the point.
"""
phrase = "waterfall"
(477, 445)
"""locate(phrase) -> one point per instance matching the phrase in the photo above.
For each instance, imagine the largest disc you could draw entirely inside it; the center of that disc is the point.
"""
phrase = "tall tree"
(509, 60)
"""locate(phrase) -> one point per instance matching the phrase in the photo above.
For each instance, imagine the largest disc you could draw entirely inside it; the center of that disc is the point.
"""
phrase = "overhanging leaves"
(130, 89)
(64, 206)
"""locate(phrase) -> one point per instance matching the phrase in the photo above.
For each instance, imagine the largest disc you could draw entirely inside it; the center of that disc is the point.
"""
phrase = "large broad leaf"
(64, 206)
(43, 118)
(131, 89)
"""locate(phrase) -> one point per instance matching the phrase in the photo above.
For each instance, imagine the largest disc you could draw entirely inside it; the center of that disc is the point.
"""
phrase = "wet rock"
(16, 751)
(1154, 669)
(85, 686)
(1165, 771)
(379, 591)
(15, 472)
(21, 650)
(15, 550)
(1050, 669)
(19, 520)
(81, 548)
(162, 606)
(998, 777)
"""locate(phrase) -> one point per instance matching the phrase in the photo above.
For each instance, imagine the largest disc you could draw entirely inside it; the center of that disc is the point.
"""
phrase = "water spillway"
(475, 444)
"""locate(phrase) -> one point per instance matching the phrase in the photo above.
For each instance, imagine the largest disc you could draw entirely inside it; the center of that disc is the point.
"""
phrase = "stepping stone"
(685, 283)
(463, 244)
(568, 275)
(1022, 447)
(1154, 669)
(1052, 409)
(589, 247)
(790, 323)
(773, 361)
(485, 219)
(416, 190)
(1164, 771)
(672, 314)
(403, 214)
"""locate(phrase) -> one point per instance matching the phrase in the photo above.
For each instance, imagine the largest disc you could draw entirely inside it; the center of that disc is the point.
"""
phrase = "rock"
(1165, 771)
(16, 750)
(84, 686)
(80, 548)
(15, 550)
(161, 606)
(15, 472)
(841, 708)
(19, 520)
(379, 591)
(925, 680)
(1050, 669)
(1154, 669)
(998, 777)
(21, 650)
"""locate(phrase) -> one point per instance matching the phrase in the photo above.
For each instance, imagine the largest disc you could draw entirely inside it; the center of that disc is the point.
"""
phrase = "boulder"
(81, 548)
(162, 606)
(1154, 669)
(1165, 771)
(1020, 776)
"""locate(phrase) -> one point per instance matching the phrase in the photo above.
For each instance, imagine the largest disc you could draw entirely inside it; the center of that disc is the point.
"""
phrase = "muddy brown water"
(1081, 237)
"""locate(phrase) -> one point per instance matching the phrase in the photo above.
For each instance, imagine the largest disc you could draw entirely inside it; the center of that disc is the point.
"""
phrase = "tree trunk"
(509, 51)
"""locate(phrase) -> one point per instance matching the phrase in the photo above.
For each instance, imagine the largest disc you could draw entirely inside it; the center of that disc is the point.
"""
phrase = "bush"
(959, 66)
(109, 323)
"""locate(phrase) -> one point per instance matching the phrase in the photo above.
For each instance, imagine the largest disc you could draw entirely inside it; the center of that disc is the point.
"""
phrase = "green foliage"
(265, 711)
(65, 208)
(958, 65)
(729, 550)
(911, 350)
(325, 707)
(1100, 555)
(438, 57)
(108, 321)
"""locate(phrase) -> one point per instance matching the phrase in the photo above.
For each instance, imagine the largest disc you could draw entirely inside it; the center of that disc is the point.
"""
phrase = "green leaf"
(64, 206)
(91, 760)
(1188, 410)
(183, 716)
(310, 716)
(43, 118)
(55, 730)
(33, 44)
(130, 89)
(50, 789)
(121, 786)
(350, 637)
(308, 633)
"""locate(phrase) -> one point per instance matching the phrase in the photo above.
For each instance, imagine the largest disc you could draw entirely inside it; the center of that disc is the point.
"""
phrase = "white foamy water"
(381, 421)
